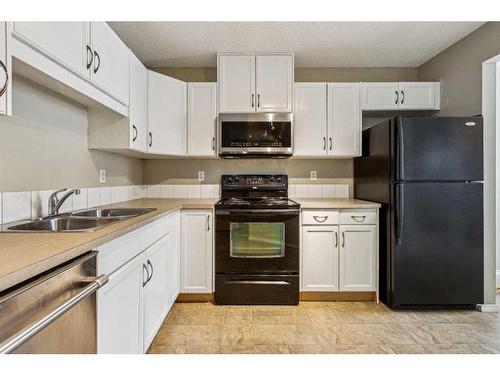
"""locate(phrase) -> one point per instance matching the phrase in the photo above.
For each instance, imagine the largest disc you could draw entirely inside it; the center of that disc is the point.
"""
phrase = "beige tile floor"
(324, 327)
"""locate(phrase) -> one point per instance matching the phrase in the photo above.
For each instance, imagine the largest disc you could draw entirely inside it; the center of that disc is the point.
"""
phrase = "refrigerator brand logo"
(470, 123)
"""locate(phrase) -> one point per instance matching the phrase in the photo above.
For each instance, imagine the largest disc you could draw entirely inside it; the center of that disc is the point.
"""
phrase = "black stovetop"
(256, 202)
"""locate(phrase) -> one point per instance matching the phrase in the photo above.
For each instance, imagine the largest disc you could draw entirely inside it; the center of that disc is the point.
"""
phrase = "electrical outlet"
(201, 176)
(314, 175)
(102, 176)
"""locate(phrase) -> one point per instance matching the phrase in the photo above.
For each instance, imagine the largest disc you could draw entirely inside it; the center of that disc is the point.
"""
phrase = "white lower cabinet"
(320, 257)
(336, 256)
(174, 260)
(358, 258)
(196, 251)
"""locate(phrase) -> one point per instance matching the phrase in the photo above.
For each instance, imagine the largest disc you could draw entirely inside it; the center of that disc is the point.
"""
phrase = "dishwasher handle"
(24, 335)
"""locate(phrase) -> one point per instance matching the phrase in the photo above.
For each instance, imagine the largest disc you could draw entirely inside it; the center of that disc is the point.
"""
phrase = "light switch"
(201, 176)
(314, 175)
(102, 176)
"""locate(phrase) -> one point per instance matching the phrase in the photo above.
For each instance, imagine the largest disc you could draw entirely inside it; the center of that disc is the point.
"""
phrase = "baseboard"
(338, 296)
(488, 308)
(195, 297)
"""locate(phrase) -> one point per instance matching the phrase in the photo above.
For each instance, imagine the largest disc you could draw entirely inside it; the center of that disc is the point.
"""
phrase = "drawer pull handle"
(359, 218)
(336, 239)
(320, 219)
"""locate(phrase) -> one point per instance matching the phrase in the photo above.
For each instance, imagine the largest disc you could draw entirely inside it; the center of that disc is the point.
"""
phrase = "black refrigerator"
(427, 173)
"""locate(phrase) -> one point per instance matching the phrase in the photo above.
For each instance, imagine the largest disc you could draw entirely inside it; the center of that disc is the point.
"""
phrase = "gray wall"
(44, 145)
(458, 68)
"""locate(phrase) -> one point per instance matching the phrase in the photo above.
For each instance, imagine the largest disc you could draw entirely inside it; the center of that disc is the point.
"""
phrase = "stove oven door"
(257, 241)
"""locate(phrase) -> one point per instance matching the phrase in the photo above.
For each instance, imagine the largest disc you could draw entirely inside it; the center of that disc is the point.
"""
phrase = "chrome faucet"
(55, 203)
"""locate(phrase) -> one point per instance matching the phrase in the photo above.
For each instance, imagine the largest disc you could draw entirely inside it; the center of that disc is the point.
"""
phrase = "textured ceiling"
(316, 44)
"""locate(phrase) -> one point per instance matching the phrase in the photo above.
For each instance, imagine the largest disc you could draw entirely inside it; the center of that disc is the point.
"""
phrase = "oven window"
(257, 240)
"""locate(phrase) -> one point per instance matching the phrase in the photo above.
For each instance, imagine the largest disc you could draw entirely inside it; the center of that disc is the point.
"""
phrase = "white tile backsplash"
(291, 191)
(207, 191)
(180, 191)
(93, 197)
(193, 191)
(16, 206)
(302, 191)
(40, 203)
(167, 191)
(314, 191)
(105, 195)
(80, 201)
(342, 191)
(153, 191)
(328, 191)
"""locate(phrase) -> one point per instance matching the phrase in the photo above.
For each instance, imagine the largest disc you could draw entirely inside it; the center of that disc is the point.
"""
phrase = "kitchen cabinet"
(155, 298)
(201, 118)
(400, 95)
(344, 119)
(358, 249)
(310, 119)
(174, 259)
(255, 82)
(138, 120)
(67, 43)
(327, 120)
(196, 251)
(320, 258)
(5, 72)
(120, 311)
(167, 119)
(274, 83)
(110, 63)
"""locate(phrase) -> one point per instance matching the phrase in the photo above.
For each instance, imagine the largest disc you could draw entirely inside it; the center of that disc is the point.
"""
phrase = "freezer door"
(438, 244)
(439, 149)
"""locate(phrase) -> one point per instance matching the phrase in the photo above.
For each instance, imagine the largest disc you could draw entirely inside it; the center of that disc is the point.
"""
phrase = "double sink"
(83, 221)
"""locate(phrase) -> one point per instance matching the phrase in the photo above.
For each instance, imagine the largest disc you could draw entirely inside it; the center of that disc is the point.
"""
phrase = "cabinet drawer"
(320, 217)
(358, 217)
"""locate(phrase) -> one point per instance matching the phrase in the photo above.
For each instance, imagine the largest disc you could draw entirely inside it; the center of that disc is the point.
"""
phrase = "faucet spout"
(55, 202)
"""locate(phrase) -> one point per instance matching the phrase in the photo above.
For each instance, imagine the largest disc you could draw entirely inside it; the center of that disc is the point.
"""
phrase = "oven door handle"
(258, 211)
(261, 282)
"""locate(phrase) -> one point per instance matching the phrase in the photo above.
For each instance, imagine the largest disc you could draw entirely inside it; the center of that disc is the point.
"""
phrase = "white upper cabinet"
(236, 78)
(310, 119)
(255, 83)
(274, 83)
(5, 71)
(110, 65)
(358, 255)
(400, 95)
(380, 95)
(65, 42)
(201, 118)
(344, 119)
(167, 118)
(138, 104)
(419, 95)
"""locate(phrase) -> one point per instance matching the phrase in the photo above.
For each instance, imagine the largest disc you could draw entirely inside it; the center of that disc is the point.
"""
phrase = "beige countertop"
(25, 255)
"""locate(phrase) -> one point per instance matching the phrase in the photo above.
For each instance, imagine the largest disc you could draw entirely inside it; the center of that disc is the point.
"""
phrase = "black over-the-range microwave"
(265, 135)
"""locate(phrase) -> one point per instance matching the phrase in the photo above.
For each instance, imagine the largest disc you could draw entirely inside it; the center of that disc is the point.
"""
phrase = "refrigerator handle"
(399, 212)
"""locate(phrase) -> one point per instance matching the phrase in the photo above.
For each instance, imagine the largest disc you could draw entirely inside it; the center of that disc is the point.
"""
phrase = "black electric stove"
(256, 241)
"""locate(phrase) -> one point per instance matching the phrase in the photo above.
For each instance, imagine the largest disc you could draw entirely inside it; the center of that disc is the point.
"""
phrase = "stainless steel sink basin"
(63, 224)
(113, 212)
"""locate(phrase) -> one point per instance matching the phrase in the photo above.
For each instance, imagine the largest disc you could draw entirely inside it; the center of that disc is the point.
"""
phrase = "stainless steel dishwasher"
(55, 313)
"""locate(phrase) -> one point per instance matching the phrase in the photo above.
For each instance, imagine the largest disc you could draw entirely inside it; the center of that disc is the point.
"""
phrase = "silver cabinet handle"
(258, 100)
(150, 139)
(252, 100)
(213, 143)
(98, 59)
(343, 239)
(331, 143)
(90, 57)
(145, 268)
(397, 97)
(25, 334)
(320, 219)
(134, 137)
(324, 143)
(4, 88)
(152, 270)
(208, 222)
(359, 218)
(402, 96)
(336, 239)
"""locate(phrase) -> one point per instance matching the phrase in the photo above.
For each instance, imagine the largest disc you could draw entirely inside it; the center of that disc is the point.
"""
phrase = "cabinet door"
(167, 120)
(119, 311)
(5, 75)
(202, 116)
(274, 83)
(310, 119)
(196, 251)
(380, 96)
(155, 298)
(138, 104)
(110, 67)
(320, 257)
(344, 119)
(358, 257)
(174, 260)
(64, 42)
(418, 95)
(236, 78)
